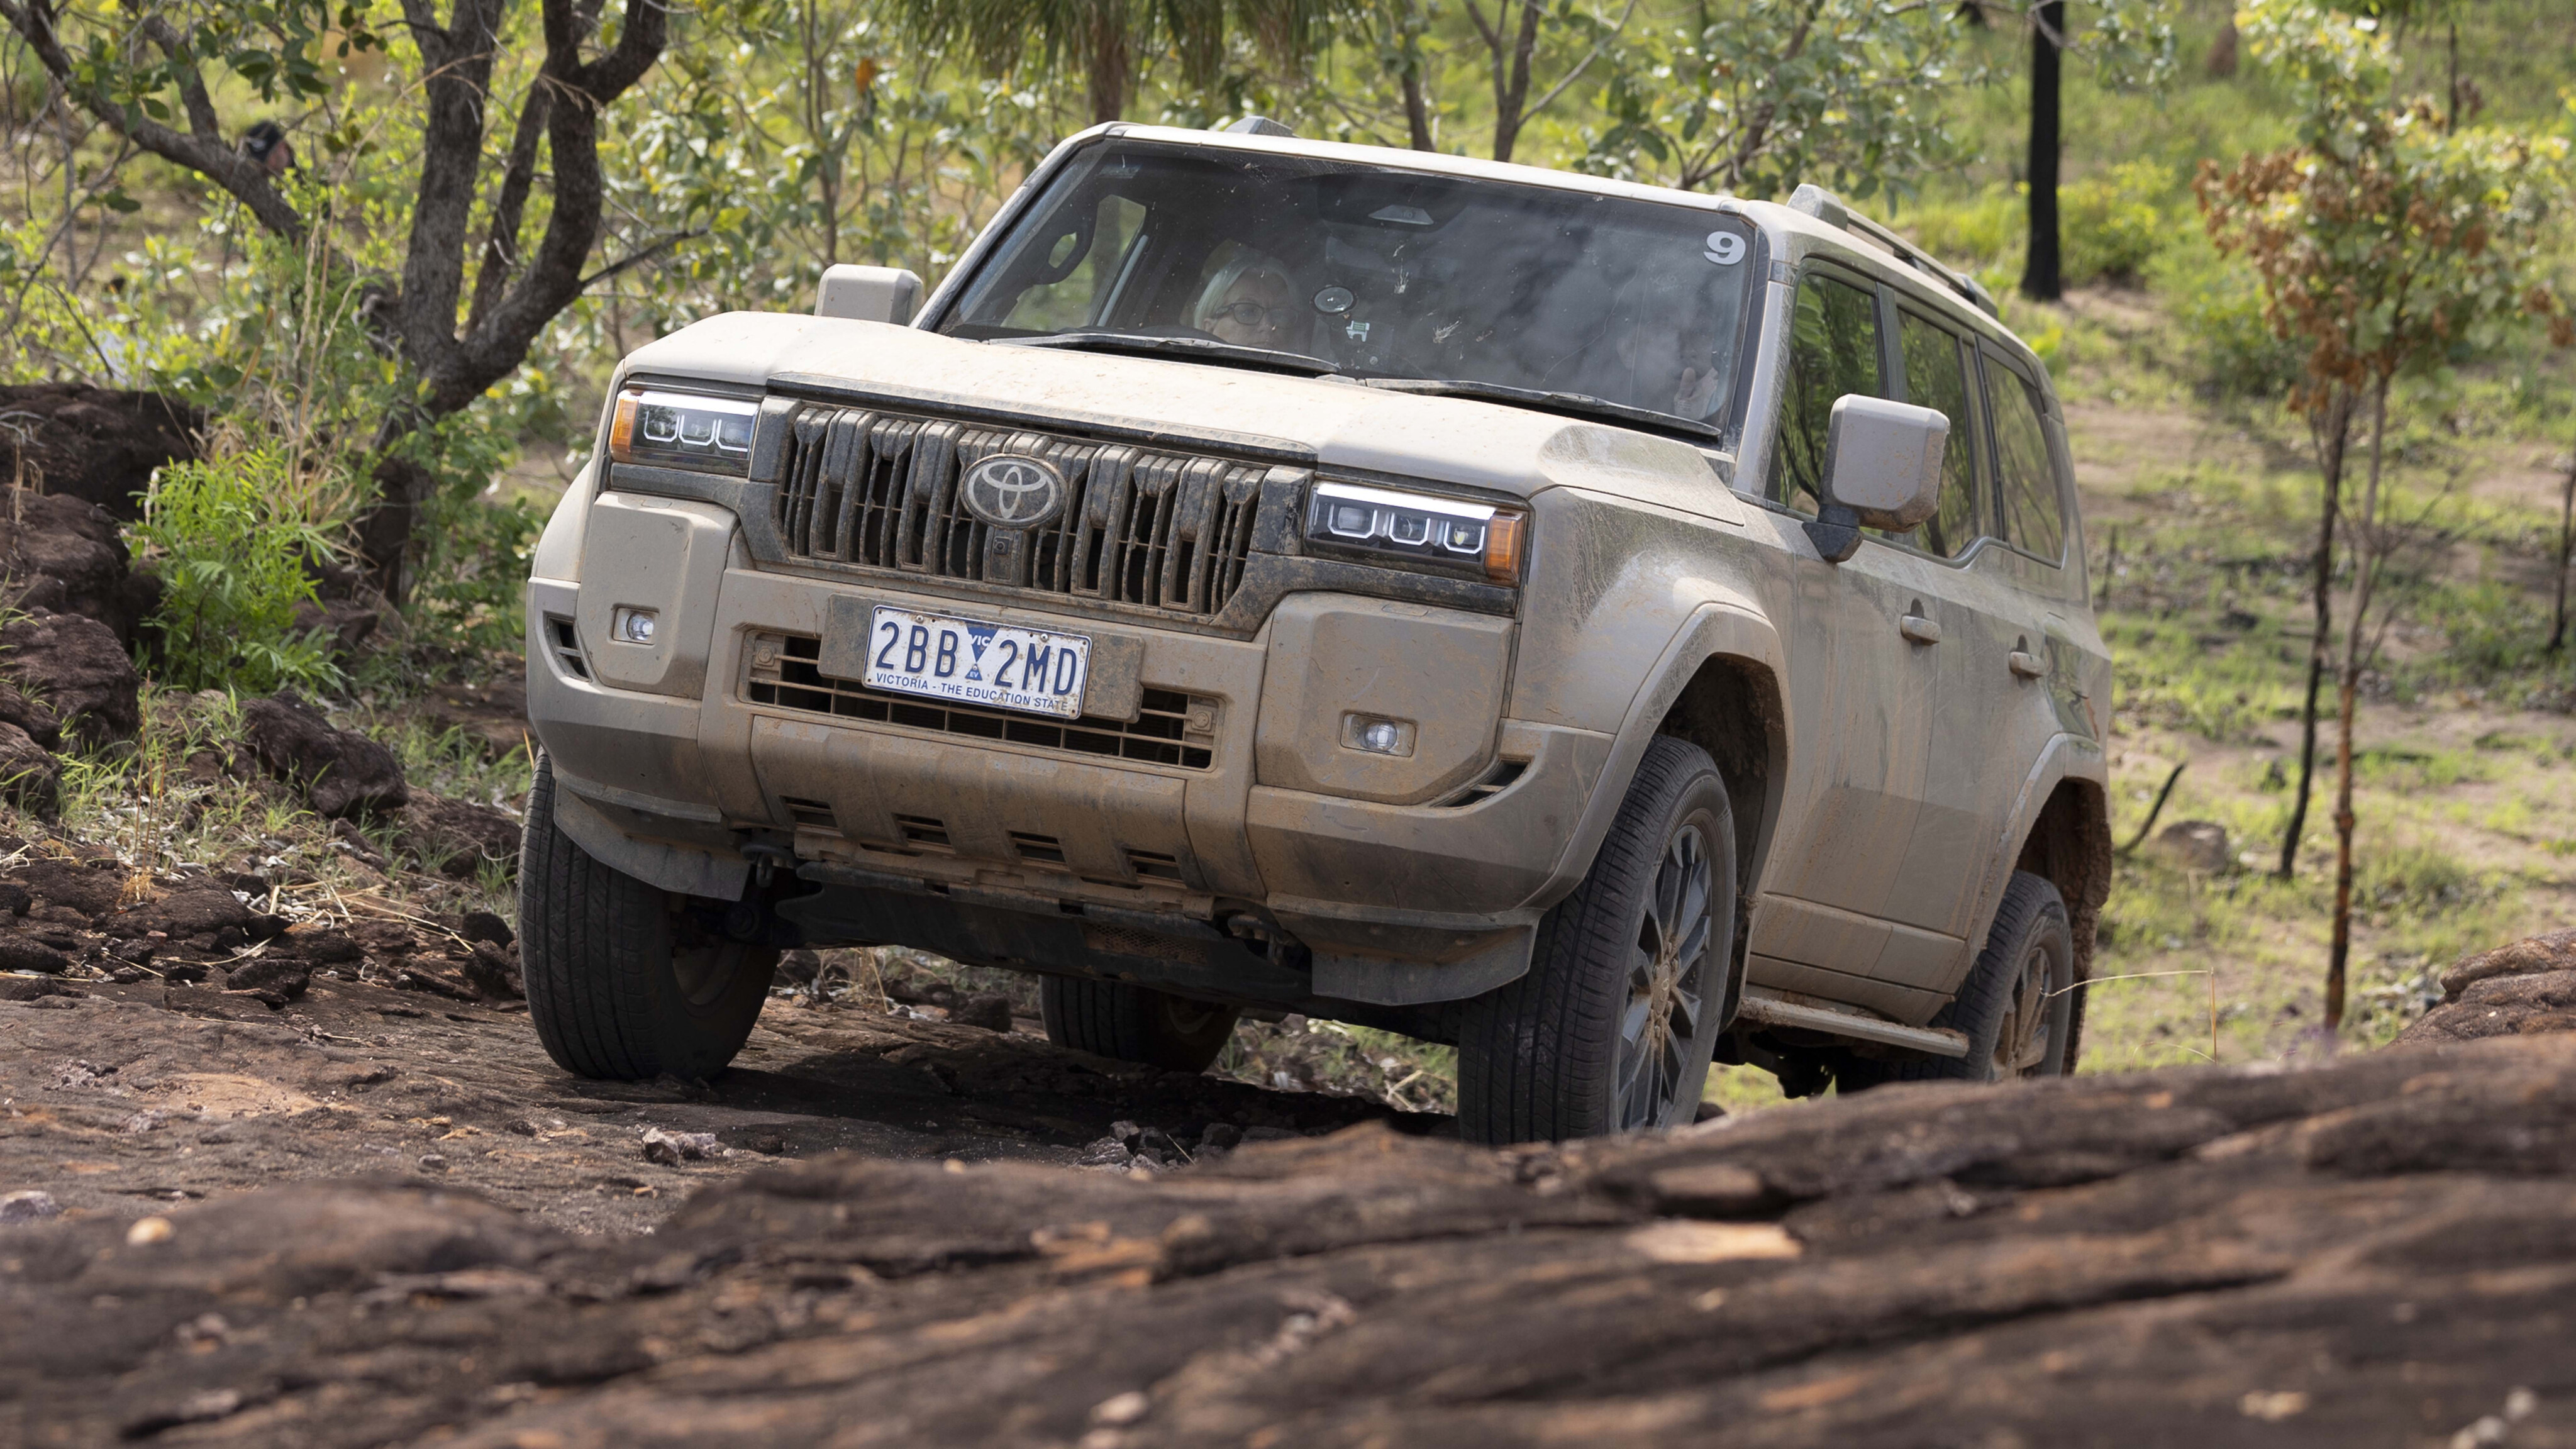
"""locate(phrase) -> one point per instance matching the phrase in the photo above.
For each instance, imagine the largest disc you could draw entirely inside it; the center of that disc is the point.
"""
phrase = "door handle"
(2026, 664)
(1919, 630)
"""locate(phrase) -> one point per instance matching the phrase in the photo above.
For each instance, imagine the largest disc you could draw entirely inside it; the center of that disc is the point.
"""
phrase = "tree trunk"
(1512, 60)
(2331, 433)
(2566, 539)
(1106, 67)
(2366, 553)
(2042, 279)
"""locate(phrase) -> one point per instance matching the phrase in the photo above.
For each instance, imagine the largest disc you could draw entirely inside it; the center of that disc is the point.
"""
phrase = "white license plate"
(994, 665)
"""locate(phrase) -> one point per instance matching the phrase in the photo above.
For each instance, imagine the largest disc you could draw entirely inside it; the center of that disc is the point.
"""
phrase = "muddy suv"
(1600, 627)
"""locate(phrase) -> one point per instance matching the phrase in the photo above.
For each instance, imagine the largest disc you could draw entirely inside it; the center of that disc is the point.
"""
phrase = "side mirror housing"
(1882, 470)
(868, 294)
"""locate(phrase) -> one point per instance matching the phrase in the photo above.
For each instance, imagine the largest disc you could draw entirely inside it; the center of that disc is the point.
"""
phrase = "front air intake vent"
(922, 832)
(1038, 849)
(813, 814)
(565, 640)
(868, 489)
(1486, 786)
(1154, 865)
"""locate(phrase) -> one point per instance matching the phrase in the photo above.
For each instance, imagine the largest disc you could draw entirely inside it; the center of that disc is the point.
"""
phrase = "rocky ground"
(371, 1216)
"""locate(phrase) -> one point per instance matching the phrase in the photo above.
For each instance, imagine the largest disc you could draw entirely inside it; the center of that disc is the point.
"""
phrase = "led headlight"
(683, 430)
(1419, 527)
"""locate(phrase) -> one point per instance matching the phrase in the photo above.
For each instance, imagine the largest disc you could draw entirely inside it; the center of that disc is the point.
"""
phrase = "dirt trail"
(2380, 1250)
(119, 1096)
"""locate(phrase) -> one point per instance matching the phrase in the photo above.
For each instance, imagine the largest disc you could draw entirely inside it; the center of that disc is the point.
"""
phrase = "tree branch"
(554, 275)
(637, 258)
(207, 155)
(501, 247)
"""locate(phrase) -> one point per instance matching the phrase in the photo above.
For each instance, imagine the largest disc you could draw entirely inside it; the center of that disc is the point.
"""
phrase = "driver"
(1671, 367)
(1255, 307)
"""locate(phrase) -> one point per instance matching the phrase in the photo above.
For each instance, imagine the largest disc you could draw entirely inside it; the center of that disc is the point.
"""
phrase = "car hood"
(1449, 440)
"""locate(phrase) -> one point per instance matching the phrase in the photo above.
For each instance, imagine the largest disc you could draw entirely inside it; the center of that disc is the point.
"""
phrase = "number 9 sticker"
(1724, 248)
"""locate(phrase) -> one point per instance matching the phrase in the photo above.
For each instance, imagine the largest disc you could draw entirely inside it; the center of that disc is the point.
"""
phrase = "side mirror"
(868, 294)
(1882, 470)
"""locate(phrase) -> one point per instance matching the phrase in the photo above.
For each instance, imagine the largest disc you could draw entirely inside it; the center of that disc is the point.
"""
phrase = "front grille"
(873, 489)
(780, 670)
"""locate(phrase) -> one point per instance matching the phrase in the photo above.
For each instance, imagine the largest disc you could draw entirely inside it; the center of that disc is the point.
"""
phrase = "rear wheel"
(623, 982)
(1612, 1028)
(1134, 1023)
(2017, 1006)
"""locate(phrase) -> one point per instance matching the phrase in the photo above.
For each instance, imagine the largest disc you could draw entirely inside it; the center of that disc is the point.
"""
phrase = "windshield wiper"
(1576, 404)
(1150, 345)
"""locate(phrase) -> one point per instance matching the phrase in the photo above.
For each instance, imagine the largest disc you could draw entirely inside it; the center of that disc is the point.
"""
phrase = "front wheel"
(622, 983)
(1612, 1028)
(2017, 1006)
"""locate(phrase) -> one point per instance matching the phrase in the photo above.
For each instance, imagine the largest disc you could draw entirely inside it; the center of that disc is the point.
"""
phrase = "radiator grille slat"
(876, 490)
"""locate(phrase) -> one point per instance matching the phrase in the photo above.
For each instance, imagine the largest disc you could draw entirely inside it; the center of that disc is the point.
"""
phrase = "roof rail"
(1828, 208)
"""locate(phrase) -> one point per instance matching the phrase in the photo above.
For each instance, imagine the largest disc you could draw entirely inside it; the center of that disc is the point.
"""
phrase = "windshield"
(1378, 273)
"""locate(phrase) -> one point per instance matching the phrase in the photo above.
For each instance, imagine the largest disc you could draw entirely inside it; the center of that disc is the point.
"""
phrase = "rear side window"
(2026, 475)
(1833, 350)
(1936, 377)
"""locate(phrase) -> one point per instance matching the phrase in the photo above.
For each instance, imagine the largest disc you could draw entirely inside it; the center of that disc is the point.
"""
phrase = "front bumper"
(1230, 821)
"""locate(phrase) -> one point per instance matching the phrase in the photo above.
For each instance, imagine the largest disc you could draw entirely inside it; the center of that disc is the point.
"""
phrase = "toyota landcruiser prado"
(1598, 626)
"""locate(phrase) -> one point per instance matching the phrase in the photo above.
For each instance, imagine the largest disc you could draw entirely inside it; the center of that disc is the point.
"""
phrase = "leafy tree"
(2385, 242)
(150, 72)
(1755, 98)
(1106, 41)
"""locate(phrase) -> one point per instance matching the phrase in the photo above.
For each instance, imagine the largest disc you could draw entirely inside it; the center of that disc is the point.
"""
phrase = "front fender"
(1714, 630)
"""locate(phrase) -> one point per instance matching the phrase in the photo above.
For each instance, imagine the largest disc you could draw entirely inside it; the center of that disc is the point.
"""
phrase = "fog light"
(1377, 735)
(632, 626)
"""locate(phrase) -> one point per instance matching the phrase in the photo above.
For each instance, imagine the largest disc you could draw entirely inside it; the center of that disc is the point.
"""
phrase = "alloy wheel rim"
(1667, 982)
(2028, 1033)
(704, 973)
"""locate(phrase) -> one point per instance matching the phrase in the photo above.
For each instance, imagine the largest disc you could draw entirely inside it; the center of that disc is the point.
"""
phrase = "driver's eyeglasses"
(1253, 314)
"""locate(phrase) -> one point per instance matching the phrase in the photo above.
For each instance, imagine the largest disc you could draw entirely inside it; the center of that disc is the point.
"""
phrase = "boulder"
(2523, 989)
(33, 717)
(67, 556)
(30, 777)
(2197, 845)
(455, 837)
(20, 953)
(493, 715)
(272, 980)
(79, 669)
(93, 444)
(342, 774)
(86, 888)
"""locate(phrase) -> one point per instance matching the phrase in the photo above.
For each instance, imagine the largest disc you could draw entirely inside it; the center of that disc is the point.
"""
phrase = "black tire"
(1612, 1027)
(2017, 1005)
(1134, 1023)
(621, 983)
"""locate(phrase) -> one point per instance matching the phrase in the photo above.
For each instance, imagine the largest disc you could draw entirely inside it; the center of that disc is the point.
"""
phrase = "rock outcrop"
(2377, 1250)
(342, 773)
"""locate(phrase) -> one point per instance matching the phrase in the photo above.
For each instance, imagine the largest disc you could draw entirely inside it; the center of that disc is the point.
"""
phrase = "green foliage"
(231, 561)
(1758, 97)
(2218, 304)
(2384, 239)
(2114, 223)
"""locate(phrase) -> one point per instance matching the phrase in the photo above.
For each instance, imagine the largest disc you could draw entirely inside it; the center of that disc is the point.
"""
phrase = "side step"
(1761, 1008)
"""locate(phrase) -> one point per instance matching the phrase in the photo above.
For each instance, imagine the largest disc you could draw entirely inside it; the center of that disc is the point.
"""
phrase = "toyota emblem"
(1013, 490)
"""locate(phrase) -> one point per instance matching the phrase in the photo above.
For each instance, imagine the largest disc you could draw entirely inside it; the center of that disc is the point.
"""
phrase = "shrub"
(231, 557)
(2114, 223)
(2220, 310)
